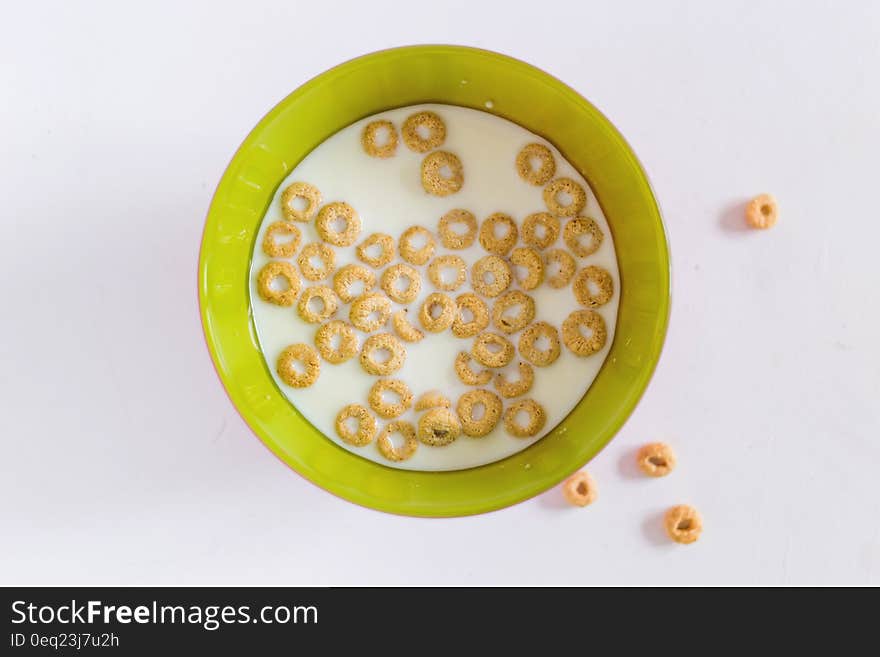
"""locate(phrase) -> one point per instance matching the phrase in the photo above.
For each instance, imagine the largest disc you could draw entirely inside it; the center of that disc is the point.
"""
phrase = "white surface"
(122, 460)
(389, 198)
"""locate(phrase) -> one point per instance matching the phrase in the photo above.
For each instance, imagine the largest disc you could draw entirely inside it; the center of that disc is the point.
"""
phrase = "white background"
(123, 461)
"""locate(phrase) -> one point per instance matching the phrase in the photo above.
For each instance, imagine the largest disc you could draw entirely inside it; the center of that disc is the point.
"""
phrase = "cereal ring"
(472, 400)
(322, 252)
(370, 312)
(525, 164)
(303, 354)
(430, 123)
(326, 341)
(445, 262)
(490, 276)
(452, 239)
(366, 425)
(479, 316)
(529, 349)
(373, 130)
(391, 277)
(327, 299)
(404, 329)
(513, 299)
(382, 342)
(540, 230)
(439, 427)
(466, 374)
(385, 245)
(338, 213)
(442, 173)
(384, 408)
(580, 489)
(683, 523)
(575, 340)
(413, 255)
(300, 190)
(537, 418)
(567, 186)
(564, 265)
(278, 270)
(521, 386)
(275, 249)
(525, 258)
(387, 448)
(437, 313)
(489, 238)
(432, 399)
(762, 211)
(492, 350)
(347, 276)
(601, 282)
(575, 229)
(656, 459)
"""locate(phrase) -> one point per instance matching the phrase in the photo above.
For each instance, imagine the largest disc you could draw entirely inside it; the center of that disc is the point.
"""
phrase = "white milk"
(388, 196)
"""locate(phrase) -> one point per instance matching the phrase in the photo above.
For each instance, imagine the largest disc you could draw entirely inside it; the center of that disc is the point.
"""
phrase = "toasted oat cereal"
(370, 312)
(656, 459)
(529, 260)
(328, 334)
(580, 489)
(428, 121)
(452, 239)
(392, 276)
(443, 263)
(432, 399)
(322, 252)
(300, 190)
(489, 238)
(479, 316)
(466, 374)
(278, 270)
(382, 342)
(545, 170)
(560, 267)
(338, 212)
(404, 328)
(536, 414)
(306, 356)
(576, 195)
(762, 211)
(388, 409)
(530, 349)
(437, 313)
(576, 229)
(369, 139)
(492, 350)
(347, 276)
(574, 338)
(366, 425)
(407, 431)
(540, 230)
(442, 173)
(511, 300)
(413, 255)
(326, 299)
(439, 427)
(683, 524)
(521, 386)
(490, 276)
(479, 399)
(275, 249)
(589, 279)
(384, 243)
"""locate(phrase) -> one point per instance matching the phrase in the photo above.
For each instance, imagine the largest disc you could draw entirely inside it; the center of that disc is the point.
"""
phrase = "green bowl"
(458, 76)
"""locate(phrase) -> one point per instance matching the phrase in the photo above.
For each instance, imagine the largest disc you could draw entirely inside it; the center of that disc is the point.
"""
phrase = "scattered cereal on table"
(656, 459)
(762, 212)
(683, 524)
(580, 489)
